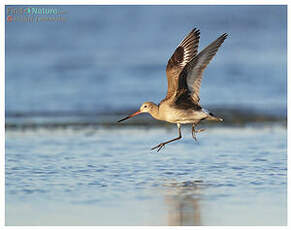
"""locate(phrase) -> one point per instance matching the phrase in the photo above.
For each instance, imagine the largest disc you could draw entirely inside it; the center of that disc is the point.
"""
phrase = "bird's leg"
(196, 131)
(161, 145)
(193, 132)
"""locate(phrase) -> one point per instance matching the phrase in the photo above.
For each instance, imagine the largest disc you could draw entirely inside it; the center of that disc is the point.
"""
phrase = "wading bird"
(184, 72)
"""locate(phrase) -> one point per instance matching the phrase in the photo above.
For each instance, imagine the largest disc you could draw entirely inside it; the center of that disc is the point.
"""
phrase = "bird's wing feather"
(192, 73)
(184, 53)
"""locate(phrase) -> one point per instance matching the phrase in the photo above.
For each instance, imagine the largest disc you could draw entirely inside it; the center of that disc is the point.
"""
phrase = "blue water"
(107, 58)
(233, 176)
(110, 59)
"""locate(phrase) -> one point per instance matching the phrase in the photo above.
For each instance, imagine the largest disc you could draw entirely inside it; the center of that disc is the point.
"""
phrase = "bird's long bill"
(132, 115)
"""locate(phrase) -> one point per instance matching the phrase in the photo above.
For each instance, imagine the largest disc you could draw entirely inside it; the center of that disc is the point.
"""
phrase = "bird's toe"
(200, 130)
(159, 147)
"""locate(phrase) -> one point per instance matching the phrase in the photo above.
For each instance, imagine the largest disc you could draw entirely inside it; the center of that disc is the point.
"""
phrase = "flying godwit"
(184, 72)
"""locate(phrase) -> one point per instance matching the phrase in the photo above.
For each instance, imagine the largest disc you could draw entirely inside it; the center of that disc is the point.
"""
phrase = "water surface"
(232, 176)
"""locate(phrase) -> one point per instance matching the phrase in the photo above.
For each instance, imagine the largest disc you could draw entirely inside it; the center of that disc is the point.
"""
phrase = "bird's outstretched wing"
(191, 76)
(184, 53)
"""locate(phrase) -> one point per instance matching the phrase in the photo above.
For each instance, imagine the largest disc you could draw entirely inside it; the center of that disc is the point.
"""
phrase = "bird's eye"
(145, 106)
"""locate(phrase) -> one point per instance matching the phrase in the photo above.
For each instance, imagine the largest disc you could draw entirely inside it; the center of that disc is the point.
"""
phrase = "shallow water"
(232, 176)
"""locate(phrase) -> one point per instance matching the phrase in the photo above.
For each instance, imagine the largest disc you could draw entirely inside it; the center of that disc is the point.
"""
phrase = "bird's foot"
(196, 131)
(194, 136)
(200, 130)
(159, 147)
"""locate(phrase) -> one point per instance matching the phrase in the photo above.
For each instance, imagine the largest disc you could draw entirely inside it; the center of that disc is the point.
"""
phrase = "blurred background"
(67, 82)
(110, 59)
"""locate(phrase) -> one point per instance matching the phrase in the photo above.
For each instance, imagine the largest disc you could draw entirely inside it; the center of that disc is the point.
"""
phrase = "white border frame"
(120, 2)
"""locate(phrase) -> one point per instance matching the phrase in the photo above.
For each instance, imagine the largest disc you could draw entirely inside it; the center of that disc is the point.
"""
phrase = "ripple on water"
(88, 175)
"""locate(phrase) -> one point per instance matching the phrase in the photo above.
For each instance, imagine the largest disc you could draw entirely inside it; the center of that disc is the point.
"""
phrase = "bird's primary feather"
(191, 76)
(183, 54)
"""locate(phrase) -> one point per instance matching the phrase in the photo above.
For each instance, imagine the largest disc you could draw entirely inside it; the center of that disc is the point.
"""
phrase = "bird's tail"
(214, 118)
(211, 116)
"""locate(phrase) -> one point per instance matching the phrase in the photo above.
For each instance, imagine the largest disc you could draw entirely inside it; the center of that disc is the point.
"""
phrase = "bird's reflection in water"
(182, 200)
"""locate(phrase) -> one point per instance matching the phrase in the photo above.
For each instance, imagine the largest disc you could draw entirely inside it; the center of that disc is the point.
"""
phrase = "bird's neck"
(155, 112)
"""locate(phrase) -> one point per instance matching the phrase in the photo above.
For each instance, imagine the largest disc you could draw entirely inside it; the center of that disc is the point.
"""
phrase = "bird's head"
(146, 107)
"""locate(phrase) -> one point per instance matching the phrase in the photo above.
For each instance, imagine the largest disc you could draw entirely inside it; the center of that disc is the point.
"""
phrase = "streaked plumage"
(184, 73)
